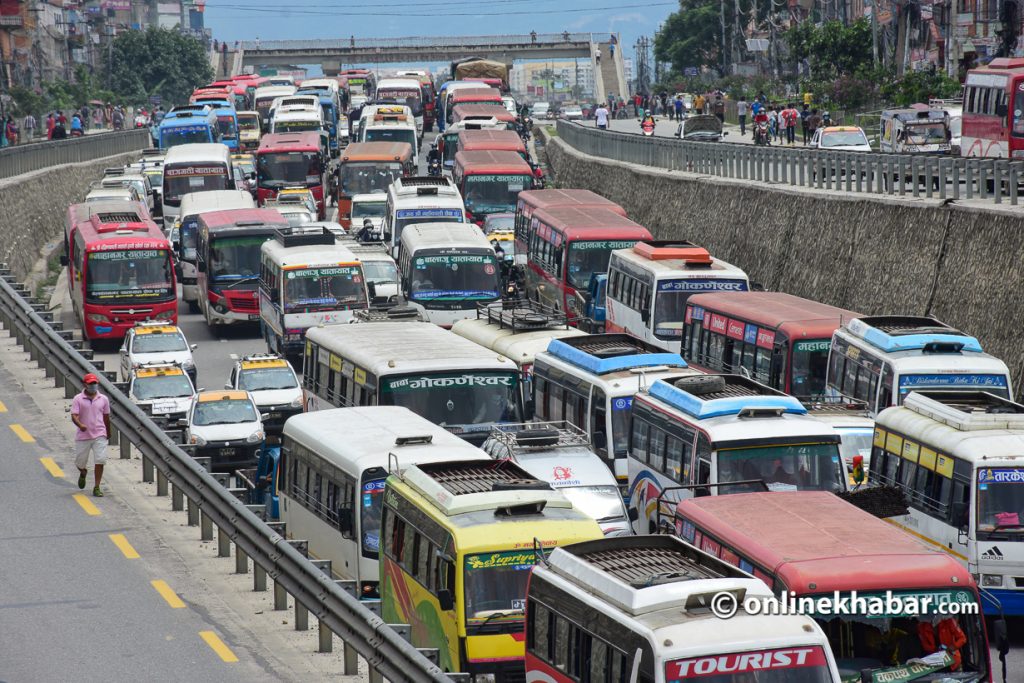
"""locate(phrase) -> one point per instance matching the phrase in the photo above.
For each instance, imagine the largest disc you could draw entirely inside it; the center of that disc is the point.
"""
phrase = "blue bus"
(186, 126)
(227, 126)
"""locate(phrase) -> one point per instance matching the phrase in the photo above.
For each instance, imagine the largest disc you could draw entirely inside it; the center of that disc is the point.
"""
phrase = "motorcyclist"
(648, 119)
(434, 158)
(760, 118)
(826, 119)
(366, 233)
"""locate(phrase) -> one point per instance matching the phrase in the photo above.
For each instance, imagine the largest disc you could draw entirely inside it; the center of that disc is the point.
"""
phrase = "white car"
(372, 206)
(295, 214)
(156, 343)
(164, 387)
(273, 385)
(572, 112)
(841, 139)
(227, 427)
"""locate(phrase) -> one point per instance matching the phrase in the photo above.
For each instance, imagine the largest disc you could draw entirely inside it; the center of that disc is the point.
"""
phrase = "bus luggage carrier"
(601, 354)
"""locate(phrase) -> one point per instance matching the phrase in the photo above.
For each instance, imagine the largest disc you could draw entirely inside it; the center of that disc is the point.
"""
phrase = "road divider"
(22, 433)
(124, 546)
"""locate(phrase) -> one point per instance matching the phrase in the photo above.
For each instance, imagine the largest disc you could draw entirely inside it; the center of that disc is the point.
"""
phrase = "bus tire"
(699, 385)
(193, 307)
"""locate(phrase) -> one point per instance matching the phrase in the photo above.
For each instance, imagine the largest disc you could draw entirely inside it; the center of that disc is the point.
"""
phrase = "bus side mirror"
(633, 514)
(201, 266)
(445, 600)
(960, 516)
(177, 270)
(1000, 636)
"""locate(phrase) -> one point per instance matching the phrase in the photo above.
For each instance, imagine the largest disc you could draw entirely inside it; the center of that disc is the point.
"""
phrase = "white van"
(405, 91)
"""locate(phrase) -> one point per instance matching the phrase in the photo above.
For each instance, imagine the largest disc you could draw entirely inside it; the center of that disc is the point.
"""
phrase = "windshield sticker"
(811, 346)
(176, 171)
(323, 272)
(952, 381)
(623, 403)
(429, 213)
(1001, 476)
(506, 560)
(603, 244)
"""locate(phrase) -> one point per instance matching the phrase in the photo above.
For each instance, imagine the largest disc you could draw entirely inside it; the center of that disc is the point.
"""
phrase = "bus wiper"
(246, 278)
(492, 615)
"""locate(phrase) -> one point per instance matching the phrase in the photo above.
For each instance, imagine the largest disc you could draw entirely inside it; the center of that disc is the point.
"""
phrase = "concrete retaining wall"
(879, 255)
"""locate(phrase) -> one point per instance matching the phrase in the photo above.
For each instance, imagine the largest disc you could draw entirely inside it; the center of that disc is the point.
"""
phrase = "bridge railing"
(38, 155)
(525, 39)
(916, 175)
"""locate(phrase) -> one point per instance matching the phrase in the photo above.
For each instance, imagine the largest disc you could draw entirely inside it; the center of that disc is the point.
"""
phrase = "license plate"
(273, 416)
(254, 316)
(226, 452)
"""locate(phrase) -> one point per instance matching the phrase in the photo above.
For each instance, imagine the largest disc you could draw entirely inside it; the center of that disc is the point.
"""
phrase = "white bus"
(438, 375)
(404, 91)
(333, 467)
(264, 98)
(590, 380)
(390, 123)
(192, 205)
(307, 278)
(419, 199)
(957, 455)
(195, 167)
(634, 609)
(694, 435)
(447, 269)
(650, 283)
(881, 359)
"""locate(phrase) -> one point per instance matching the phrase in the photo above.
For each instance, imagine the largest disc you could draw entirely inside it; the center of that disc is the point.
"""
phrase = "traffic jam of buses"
(562, 450)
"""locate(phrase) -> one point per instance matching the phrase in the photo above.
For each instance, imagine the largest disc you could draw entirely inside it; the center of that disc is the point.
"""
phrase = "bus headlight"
(991, 580)
(165, 315)
(220, 308)
(97, 318)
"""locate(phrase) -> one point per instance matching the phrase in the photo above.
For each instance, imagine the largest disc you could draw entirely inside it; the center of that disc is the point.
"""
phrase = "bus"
(438, 375)
(447, 269)
(497, 140)
(490, 182)
(447, 142)
(955, 454)
(634, 609)
(292, 160)
(228, 262)
(367, 167)
(485, 115)
(567, 246)
(248, 130)
(776, 338)
(810, 545)
(333, 467)
(121, 274)
(264, 97)
(590, 381)
(109, 211)
(188, 126)
(649, 285)
(880, 359)
(227, 125)
(531, 200)
(419, 199)
(724, 434)
(389, 123)
(470, 96)
(405, 91)
(993, 110)
(306, 279)
(458, 541)
(192, 168)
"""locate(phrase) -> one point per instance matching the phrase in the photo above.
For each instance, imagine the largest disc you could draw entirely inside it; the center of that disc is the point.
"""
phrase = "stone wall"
(33, 207)
(875, 255)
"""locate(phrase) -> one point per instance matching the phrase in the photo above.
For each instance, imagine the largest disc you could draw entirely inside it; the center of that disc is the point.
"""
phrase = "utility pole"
(874, 32)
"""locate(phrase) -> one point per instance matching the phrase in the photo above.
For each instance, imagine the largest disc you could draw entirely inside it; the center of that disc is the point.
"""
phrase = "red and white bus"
(993, 110)
(490, 182)
(120, 275)
(530, 201)
(811, 546)
(291, 160)
(569, 245)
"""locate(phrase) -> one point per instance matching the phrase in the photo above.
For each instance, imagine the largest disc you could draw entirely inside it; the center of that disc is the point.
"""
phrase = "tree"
(157, 61)
(832, 49)
(692, 36)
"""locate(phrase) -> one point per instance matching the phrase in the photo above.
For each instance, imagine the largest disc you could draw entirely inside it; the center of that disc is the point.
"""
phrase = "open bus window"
(495, 587)
(803, 467)
(285, 168)
(323, 289)
(128, 274)
(1001, 499)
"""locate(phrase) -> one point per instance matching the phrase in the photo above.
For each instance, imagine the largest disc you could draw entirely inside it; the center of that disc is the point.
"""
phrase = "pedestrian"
(679, 107)
(117, 119)
(698, 104)
(533, 37)
(29, 126)
(51, 121)
(90, 412)
(601, 117)
(61, 119)
(224, 49)
(215, 46)
(352, 41)
(805, 114)
(813, 123)
(741, 113)
(773, 122)
(611, 51)
(565, 36)
(11, 131)
(597, 55)
(720, 108)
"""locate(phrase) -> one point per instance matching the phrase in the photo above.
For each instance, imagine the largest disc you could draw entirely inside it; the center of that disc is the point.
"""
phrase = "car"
(297, 195)
(372, 206)
(296, 214)
(273, 385)
(572, 112)
(510, 104)
(156, 342)
(164, 387)
(501, 222)
(841, 139)
(102, 193)
(540, 110)
(226, 427)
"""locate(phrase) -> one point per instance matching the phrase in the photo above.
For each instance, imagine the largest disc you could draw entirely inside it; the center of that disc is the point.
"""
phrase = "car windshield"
(323, 289)
(233, 258)
(159, 342)
(184, 135)
(786, 467)
(286, 168)
(456, 399)
(843, 138)
(926, 134)
(448, 277)
(365, 177)
(249, 123)
(810, 364)
(379, 134)
(223, 412)
(587, 257)
(380, 271)
(495, 588)
(129, 275)
(601, 503)
(1001, 499)
(505, 243)
(361, 210)
(796, 664)
(266, 379)
(161, 386)
(670, 302)
(179, 181)
(494, 192)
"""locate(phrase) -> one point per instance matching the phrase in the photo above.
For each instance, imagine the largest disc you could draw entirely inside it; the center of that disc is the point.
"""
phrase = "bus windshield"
(184, 135)
(226, 126)
(496, 193)
(249, 122)
(277, 169)
(601, 503)
(179, 181)
(456, 399)
(323, 289)
(129, 275)
(161, 386)
(454, 277)
(670, 302)
(786, 467)
(797, 664)
(926, 134)
(495, 587)
(367, 177)
(1001, 499)
(296, 126)
(234, 258)
(378, 134)
(587, 257)
(810, 365)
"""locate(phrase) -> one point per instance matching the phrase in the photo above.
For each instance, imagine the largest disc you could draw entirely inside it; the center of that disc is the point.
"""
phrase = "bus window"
(810, 360)
(599, 422)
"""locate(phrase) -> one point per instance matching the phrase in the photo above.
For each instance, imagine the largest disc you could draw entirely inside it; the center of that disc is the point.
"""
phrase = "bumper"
(233, 317)
(1012, 602)
(277, 415)
(226, 456)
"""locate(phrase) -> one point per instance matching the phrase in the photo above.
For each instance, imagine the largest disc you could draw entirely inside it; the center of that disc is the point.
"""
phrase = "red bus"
(497, 140)
(120, 274)
(993, 110)
(777, 339)
(567, 246)
(812, 545)
(490, 182)
(553, 199)
(291, 160)
(468, 96)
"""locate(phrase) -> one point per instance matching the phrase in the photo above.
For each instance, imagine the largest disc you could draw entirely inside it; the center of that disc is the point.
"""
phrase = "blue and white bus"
(187, 125)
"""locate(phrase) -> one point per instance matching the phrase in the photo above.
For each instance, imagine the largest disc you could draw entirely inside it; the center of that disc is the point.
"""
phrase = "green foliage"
(692, 36)
(831, 48)
(61, 95)
(158, 61)
(919, 86)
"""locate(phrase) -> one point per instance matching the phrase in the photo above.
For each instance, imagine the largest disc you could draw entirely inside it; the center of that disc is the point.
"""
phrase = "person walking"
(741, 113)
(680, 106)
(789, 117)
(597, 55)
(698, 104)
(720, 108)
(813, 123)
(51, 121)
(29, 126)
(805, 114)
(601, 117)
(90, 413)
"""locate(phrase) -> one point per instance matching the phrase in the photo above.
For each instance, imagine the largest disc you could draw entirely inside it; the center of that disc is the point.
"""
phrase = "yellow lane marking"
(22, 433)
(86, 504)
(124, 546)
(3, 408)
(52, 467)
(218, 646)
(167, 593)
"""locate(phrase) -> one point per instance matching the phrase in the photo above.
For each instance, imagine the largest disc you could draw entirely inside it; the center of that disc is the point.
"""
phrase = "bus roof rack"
(672, 250)
(893, 333)
(425, 181)
(838, 406)
(290, 237)
(119, 217)
(540, 435)
(522, 315)
(605, 353)
(967, 410)
(707, 396)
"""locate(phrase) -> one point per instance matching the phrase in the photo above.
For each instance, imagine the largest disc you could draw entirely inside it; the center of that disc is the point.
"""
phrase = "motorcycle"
(762, 136)
(434, 161)
(647, 127)
(538, 177)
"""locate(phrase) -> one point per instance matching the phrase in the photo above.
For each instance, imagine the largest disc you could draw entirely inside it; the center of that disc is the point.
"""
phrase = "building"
(556, 81)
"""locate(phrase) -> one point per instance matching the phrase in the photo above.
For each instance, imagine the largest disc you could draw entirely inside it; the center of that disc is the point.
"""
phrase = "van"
(916, 130)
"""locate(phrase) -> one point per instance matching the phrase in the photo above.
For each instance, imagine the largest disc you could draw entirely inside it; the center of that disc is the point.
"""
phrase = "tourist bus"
(778, 339)
(470, 96)
(228, 262)
(532, 200)
(724, 434)
(438, 375)
(307, 278)
(343, 456)
(590, 381)
(569, 245)
(633, 609)
(649, 285)
(419, 199)
(810, 545)
(264, 97)
(497, 140)
(457, 545)
(490, 181)
(367, 167)
(993, 110)
(880, 359)
(120, 274)
(404, 91)
(192, 168)
(447, 269)
(956, 456)
(292, 160)
(187, 126)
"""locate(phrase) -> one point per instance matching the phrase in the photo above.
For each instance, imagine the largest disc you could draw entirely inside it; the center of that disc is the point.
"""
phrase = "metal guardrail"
(524, 39)
(38, 155)
(386, 652)
(903, 175)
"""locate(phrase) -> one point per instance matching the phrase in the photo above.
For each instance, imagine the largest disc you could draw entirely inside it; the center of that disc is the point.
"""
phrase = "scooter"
(647, 127)
(433, 161)
(761, 134)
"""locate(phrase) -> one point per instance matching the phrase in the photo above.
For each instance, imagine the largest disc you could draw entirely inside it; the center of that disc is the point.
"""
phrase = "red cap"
(90, 379)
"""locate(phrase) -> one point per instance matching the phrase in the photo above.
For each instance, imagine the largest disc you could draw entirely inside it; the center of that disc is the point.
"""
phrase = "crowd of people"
(59, 124)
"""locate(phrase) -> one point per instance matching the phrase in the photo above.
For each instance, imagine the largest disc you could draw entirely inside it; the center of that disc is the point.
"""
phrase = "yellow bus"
(457, 547)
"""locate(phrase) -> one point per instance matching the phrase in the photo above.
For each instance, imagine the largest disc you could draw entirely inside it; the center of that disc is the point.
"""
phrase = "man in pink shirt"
(90, 411)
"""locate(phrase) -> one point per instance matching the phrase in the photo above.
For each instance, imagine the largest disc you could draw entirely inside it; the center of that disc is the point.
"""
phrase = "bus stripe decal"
(928, 540)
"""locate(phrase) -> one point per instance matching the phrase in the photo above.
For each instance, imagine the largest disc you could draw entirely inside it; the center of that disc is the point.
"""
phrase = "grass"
(53, 269)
